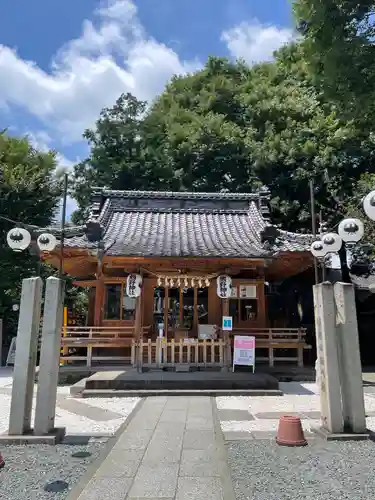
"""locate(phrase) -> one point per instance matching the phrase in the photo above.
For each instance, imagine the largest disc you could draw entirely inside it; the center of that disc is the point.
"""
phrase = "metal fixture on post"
(313, 226)
(63, 221)
(350, 231)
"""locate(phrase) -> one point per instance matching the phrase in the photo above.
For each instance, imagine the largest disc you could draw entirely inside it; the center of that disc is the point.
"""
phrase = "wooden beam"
(85, 283)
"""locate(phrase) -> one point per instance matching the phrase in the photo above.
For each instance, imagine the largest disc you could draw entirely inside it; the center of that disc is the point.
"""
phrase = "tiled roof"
(163, 229)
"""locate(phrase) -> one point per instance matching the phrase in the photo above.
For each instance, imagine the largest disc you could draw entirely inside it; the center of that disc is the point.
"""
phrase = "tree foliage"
(29, 193)
(122, 155)
(338, 41)
(236, 128)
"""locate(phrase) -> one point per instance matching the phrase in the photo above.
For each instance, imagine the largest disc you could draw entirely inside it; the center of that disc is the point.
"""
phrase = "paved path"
(172, 448)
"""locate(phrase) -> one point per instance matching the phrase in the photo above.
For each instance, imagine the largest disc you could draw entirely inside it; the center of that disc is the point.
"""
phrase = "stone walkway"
(171, 448)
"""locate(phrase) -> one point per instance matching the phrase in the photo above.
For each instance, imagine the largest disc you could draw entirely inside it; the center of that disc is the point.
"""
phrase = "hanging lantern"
(224, 286)
(186, 283)
(207, 282)
(171, 283)
(178, 283)
(18, 239)
(166, 283)
(332, 242)
(46, 242)
(159, 281)
(133, 285)
(200, 284)
(192, 282)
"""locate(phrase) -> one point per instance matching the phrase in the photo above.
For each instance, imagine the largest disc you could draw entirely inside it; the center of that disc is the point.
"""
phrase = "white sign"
(227, 323)
(11, 358)
(244, 351)
(133, 285)
(224, 286)
(248, 292)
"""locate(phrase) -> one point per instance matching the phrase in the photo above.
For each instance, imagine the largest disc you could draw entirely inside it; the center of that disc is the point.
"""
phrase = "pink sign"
(244, 343)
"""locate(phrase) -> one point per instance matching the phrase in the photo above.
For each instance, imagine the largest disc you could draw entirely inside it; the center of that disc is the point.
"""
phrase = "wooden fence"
(192, 352)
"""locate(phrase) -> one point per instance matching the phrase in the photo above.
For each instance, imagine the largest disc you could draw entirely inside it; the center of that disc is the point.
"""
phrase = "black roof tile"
(164, 226)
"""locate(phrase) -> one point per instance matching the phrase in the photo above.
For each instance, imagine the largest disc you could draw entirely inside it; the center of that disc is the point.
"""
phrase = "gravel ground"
(262, 470)
(29, 468)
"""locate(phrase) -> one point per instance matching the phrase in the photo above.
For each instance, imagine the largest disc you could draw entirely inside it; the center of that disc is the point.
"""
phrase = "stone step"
(113, 393)
(194, 381)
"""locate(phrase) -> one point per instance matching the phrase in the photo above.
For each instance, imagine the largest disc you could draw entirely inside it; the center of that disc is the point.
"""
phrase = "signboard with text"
(227, 323)
(244, 351)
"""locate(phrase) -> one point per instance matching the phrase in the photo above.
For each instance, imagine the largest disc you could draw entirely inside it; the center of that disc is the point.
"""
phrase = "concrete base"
(115, 393)
(342, 436)
(194, 381)
(54, 438)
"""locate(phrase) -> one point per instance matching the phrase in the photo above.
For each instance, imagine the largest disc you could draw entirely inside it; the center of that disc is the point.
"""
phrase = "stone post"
(26, 355)
(351, 371)
(328, 361)
(49, 357)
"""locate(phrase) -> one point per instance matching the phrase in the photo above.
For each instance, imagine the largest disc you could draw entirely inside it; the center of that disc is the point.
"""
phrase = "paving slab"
(155, 480)
(199, 463)
(194, 488)
(106, 488)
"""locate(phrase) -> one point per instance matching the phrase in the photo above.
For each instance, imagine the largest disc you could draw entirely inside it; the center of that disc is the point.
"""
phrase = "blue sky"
(62, 62)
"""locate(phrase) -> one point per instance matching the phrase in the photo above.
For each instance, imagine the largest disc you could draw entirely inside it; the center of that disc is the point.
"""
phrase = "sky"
(61, 62)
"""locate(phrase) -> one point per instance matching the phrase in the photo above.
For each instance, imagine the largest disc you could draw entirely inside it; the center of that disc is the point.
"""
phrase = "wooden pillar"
(225, 307)
(166, 309)
(262, 316)
(195, 311)
(99, 296)
(138, 317)
(226, 336)
(138, 331)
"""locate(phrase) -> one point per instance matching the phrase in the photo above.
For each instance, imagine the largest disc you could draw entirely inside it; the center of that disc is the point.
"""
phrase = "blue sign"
(227, 323)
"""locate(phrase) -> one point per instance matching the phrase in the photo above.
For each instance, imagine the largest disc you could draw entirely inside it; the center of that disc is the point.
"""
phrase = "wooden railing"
(191, 352)
(274, 339)
(169, 353)
(93, 337)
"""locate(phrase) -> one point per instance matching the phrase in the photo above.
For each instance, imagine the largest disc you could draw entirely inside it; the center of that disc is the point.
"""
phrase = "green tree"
(123, 154)
(338, 42)
(234, 127)
(29, 193)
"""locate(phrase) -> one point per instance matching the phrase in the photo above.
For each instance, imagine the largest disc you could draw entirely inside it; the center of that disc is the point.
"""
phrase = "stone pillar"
(328, 361)
(49, 357)
(26, 355)
(351, 372)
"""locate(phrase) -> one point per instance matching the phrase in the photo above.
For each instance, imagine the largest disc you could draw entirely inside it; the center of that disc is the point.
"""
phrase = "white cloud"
(112, 55)
(255, 42)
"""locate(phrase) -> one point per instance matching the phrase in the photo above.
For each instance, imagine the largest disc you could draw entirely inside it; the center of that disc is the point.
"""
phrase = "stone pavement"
(172, 449)
(245, 417)
(91, 417)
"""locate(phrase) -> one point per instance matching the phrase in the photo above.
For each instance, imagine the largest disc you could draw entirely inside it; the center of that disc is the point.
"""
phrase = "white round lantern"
(46, 242)
(331, 242)
(318, 249)
(224, 286)
(351, 230)
(369, 205)
(133, 285)
(18, 239)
